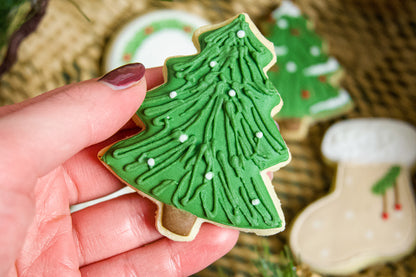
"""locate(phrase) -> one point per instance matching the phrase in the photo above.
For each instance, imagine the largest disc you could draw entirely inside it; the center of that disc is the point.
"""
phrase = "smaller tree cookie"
(209, 137)
(352, 227)
(305, 76)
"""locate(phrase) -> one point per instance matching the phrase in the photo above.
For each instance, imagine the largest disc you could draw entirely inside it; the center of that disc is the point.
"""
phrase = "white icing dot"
(280, 50)
(173, 94)
(398, 235)
(349, 180)
(255, 202)
(259, 134)
(183, 138)
(369, 234)
(209, 175)
(325, 252)
(291, 67)
(349, 215)
(151, 162)
(241, 34)
(231, 93)
(399, 214)
(315, 51)
(317, 224)
(282, 23)
(213, 63)
(168, 117)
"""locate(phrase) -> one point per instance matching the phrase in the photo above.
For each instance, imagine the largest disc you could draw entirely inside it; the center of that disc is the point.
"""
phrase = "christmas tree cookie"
(370, 216)
(305, 76)
(209, 137)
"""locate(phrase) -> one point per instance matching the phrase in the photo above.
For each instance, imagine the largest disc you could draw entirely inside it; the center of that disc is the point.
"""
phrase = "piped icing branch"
(209, 133)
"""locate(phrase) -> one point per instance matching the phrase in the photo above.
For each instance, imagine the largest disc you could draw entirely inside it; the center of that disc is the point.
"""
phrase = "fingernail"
(124, 76)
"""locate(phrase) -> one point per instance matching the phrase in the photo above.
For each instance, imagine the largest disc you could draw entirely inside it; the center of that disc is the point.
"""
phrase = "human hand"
(48, 162)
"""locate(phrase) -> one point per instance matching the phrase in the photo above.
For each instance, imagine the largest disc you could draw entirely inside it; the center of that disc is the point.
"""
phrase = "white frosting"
(213, 63)
(371, 140)
(291, 67)
(315, 51)
(369, 234)
(255, 202)
(323, 68)
(232, 93)
(332, 103)
(282, 23)
(241, 34)
(173, 94)
(209, 175)
(151, 162)
(280, 50)
(287, 8)
(259, 134)
(183, 138)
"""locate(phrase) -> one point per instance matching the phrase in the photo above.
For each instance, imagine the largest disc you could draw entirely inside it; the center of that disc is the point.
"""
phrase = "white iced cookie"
(370, 216)
(153, 37)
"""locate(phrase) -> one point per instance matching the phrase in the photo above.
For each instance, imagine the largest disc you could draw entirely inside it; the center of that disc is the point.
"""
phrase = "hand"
(48, 162)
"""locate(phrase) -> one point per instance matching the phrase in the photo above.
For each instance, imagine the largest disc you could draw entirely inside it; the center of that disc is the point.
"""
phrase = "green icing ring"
(134, 43)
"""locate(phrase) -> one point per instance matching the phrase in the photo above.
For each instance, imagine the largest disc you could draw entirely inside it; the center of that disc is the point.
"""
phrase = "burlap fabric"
(374, 40)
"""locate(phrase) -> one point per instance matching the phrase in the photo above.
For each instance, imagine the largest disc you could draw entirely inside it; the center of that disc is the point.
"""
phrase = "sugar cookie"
(209, 137)
(305, 76)
(370, 216)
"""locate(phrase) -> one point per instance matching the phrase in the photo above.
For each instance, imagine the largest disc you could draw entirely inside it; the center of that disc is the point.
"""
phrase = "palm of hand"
(107, 239)
(40, 237)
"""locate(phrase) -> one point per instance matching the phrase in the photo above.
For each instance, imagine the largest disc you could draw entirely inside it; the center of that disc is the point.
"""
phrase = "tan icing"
(344, 231)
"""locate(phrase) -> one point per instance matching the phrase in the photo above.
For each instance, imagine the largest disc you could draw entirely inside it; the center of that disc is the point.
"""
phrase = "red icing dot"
(385, 216)
(322, 78)
(306, 94)
(397, 207)
(294, 32)
(149, 30)
(274, 68)
(127, 57)
(187, 29)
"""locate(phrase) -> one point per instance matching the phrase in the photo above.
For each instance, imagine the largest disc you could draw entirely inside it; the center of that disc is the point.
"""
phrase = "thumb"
(39, 136)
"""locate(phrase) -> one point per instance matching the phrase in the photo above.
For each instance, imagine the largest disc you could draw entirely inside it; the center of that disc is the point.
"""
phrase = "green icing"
(208, 133)
(387, 181)
(143, 33)
(303, 71)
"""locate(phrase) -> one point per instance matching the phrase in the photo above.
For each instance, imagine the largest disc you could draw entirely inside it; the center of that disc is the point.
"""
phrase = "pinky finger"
(168, 258)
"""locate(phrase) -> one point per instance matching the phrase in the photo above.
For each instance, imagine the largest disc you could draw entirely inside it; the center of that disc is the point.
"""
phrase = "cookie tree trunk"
(177, 221)
(209, 133)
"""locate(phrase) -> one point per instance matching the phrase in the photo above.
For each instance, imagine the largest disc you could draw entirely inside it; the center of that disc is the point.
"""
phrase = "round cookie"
(370, 216)
(209, 138)
(153, 37)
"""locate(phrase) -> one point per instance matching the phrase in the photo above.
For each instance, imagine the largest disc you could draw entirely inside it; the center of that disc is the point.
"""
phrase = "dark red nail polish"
(124, 76)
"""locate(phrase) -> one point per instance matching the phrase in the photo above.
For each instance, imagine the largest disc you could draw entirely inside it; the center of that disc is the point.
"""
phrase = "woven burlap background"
(374, 40)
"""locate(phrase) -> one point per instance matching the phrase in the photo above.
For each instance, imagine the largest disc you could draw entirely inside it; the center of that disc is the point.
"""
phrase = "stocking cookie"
(209, 137)
(305, 76)
(370, 216)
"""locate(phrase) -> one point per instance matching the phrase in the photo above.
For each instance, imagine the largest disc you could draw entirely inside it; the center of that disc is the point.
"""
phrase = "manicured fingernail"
(124, 76)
